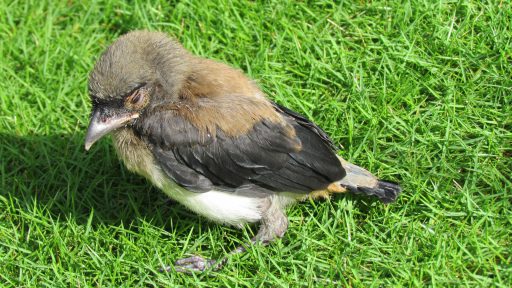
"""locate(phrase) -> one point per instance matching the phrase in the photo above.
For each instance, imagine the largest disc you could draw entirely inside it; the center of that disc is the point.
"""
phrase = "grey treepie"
(207, 136)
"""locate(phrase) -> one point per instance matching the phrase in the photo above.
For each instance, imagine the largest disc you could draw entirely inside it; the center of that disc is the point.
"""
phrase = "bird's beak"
(101, 125)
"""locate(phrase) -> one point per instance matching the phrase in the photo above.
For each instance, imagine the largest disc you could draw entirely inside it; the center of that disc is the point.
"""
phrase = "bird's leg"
(273, 225)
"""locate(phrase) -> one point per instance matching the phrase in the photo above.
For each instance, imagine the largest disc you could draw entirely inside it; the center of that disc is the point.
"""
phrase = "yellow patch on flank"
(335, 187)
(326, 193)
(318, 194)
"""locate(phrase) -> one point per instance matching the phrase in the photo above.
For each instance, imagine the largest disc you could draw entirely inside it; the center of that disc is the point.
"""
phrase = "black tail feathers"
(387, 192)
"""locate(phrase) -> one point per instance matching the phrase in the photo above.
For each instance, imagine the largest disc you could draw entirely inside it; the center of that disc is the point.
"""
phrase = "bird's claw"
(193, 264)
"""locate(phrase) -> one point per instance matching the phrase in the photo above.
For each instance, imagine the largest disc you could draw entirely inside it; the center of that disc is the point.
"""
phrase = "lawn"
(418, 92)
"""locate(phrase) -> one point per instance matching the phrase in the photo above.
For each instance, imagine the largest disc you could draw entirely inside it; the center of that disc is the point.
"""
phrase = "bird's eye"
(138, 99)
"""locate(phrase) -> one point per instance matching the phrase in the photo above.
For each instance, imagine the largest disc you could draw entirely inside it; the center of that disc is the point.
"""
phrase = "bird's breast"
(218, 206)
(136, 155)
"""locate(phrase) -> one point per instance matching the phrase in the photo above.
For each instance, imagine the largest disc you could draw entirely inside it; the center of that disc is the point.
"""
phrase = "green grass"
(418, 92)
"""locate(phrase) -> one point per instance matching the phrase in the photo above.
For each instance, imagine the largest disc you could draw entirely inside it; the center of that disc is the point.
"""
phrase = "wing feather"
(268, 155)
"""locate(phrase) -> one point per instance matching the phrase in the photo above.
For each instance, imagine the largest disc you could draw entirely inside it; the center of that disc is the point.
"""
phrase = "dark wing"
(303, 121)
(268, 155)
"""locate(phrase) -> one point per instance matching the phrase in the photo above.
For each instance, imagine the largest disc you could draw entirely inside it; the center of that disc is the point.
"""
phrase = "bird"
(207, 136)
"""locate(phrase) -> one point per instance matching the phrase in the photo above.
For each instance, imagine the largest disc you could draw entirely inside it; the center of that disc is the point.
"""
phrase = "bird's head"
(136, 72)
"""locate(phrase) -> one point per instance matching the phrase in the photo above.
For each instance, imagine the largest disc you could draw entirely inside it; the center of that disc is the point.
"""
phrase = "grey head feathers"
(138, 58)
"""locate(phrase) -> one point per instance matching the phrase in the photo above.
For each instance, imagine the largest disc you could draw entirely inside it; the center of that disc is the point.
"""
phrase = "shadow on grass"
(55, 173)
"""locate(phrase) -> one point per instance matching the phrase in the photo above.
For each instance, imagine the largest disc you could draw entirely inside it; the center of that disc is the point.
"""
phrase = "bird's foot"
(193, 264)
(274, 226)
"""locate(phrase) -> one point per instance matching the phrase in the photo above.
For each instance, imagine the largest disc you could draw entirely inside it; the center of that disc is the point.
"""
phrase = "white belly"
(218, 206)
(223, 207)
